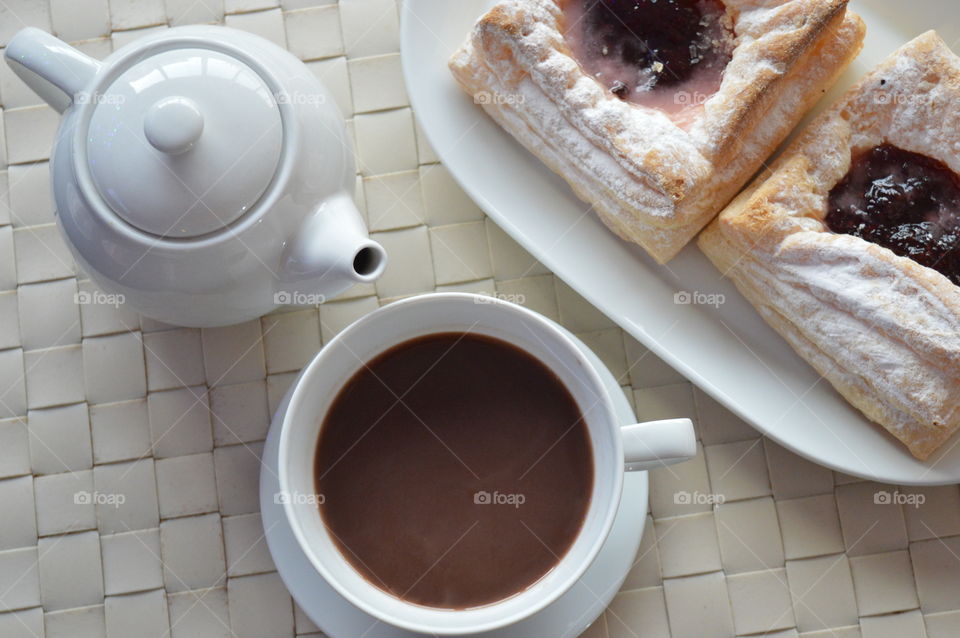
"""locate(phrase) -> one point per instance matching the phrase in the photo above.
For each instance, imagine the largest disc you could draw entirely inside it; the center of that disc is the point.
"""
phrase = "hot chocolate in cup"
(587, 457)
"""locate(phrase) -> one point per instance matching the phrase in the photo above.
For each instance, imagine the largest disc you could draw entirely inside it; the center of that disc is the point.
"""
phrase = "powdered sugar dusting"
(882, 328)
(652, 181)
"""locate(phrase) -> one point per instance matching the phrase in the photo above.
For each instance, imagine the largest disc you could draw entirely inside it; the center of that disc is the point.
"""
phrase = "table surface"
(129, 449)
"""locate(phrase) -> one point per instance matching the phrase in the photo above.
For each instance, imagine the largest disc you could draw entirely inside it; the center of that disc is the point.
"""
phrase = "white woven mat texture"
(748, 539)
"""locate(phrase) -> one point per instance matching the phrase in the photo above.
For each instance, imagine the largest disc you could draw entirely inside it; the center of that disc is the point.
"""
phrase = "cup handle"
(647, 446)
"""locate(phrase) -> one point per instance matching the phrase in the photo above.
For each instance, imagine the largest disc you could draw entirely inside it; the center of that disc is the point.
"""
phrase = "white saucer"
(568, 617)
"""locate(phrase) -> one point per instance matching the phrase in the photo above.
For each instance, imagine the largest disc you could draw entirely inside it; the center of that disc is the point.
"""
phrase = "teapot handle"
(53, 69)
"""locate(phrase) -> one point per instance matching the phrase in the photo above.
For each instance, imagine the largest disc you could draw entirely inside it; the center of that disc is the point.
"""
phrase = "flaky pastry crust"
(651, 181)
(884, 330)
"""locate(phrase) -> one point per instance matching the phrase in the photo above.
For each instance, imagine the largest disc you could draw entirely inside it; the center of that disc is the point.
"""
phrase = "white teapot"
(203, 173)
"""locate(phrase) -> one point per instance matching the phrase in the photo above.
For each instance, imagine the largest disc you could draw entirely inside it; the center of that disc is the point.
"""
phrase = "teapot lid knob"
(173, 124)
(185, 140)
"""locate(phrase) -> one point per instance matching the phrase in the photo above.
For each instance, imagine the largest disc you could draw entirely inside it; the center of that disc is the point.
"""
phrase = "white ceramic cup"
(616, 448)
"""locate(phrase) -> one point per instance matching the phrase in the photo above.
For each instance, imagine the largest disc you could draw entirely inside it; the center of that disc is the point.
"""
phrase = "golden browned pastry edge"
(649, 180)
(884, 330)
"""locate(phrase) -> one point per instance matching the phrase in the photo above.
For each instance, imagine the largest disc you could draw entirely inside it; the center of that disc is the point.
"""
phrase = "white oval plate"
(728, 350)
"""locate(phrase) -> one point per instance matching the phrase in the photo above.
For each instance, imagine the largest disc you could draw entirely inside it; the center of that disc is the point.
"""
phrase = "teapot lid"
(184, 142)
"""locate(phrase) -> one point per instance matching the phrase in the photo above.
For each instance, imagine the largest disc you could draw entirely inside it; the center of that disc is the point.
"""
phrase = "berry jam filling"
(668, 54)
(904, 201)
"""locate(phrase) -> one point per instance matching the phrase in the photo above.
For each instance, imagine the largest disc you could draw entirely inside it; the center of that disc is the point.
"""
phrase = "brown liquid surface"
(471, 488)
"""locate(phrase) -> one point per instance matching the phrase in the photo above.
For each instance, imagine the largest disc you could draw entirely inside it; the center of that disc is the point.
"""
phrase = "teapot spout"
(331, 253)
(54, 70)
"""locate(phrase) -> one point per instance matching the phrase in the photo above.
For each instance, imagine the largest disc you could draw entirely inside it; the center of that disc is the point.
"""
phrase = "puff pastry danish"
(656, 113)
(848, 246)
